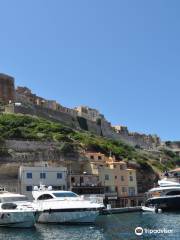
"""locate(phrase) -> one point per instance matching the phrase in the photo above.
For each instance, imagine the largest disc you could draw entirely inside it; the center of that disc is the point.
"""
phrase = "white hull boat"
(16, 211)
(68, 217)
(64, 207)
(10, 218)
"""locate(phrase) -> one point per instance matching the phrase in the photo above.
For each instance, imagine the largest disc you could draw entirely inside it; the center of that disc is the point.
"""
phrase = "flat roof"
(42, 168)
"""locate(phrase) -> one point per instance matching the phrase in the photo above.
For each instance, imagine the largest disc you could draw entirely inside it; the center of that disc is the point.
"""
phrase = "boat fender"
(159, 210)
(2, 216)
(50, 211)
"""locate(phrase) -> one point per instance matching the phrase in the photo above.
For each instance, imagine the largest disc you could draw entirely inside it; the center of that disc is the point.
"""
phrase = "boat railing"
(171, 179)
(95, 198)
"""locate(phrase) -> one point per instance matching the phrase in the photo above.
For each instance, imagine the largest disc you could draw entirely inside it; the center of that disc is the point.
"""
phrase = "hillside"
(23, 127)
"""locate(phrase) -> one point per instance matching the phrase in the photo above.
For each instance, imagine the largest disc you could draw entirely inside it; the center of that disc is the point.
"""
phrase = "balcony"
(87, 189)
(111, 195)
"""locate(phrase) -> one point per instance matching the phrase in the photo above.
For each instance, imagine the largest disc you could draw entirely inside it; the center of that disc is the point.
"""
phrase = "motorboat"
(153, 209)
(64, 206)
(166, 196)
(16, 210)
(148, 209)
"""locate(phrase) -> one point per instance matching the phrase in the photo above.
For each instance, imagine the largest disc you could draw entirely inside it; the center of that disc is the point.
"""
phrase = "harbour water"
(110, 227)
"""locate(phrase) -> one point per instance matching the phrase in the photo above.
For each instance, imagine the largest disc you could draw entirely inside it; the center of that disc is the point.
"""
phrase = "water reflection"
(111, 227)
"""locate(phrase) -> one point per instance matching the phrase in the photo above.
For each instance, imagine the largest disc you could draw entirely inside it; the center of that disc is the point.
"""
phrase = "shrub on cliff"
(16, 126)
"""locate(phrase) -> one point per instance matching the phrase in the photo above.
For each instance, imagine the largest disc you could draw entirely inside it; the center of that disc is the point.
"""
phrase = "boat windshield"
(13, 199)
(64, 194)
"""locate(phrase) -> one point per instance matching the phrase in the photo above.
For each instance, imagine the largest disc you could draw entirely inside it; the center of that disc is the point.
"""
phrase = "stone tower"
(7, 90)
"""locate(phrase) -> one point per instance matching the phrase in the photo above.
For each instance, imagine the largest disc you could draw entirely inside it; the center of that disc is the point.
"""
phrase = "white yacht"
(64, 206)
(166, 196)
(16, 210)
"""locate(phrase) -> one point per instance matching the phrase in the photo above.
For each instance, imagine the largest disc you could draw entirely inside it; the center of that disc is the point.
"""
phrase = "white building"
(34, 176)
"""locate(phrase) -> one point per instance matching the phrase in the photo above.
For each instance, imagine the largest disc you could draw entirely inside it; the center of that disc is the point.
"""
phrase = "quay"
(121, 210)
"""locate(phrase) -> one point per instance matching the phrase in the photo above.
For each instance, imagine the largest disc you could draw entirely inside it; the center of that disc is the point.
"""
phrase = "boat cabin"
(46, 193)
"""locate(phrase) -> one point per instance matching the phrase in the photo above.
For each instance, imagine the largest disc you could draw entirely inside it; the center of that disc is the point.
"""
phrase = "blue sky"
(121, 57)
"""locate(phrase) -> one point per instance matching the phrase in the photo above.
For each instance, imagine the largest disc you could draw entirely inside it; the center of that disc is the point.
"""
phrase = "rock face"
(146, 177)
(34, 153)
(102, 128)
(31, 153)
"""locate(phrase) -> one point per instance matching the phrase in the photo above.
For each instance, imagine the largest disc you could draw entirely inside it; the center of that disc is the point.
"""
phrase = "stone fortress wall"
(81, 117)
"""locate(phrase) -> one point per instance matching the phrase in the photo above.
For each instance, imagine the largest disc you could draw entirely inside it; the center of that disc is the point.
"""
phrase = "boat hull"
(71, 216)
(148, 209)
(17, 219)
(169, 203)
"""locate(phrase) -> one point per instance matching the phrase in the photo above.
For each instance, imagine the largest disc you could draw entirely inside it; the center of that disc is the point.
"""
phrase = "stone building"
(119, 181)
(121, 129)
(7, 91)
(29, 96)
(89, 113)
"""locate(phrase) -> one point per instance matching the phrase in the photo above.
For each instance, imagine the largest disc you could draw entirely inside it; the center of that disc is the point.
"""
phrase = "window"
(122, 178)
(72, 179)
(45, 197)
(59, 175)
(131, 178)
(29, 188)
(173, 193)
(106, 177)
(131, 191)
(121, 167)
(28, 175)
(133, 203)
(56, 187)
(92, 157)
(65, 194)
(42, 175)
(115, 177)
(99, 158)
(116, 188)
(124, 189)
(13, 199)
(81, 180)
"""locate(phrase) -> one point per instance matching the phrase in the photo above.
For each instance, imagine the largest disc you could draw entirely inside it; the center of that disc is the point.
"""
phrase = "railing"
(111, 194)
(95, 198)
(173, 179)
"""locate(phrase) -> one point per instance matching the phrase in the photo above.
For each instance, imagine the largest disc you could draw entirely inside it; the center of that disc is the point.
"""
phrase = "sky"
(121, 57)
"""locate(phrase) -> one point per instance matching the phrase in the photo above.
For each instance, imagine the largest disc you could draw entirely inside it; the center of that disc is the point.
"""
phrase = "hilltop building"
(89, 113)
(7, 90)
(121, 129)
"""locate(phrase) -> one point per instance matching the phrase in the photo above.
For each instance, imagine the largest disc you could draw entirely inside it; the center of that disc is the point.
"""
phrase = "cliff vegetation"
(23, 127)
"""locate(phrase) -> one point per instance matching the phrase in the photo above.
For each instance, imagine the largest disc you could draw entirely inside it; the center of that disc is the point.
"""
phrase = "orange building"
(119, 180)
